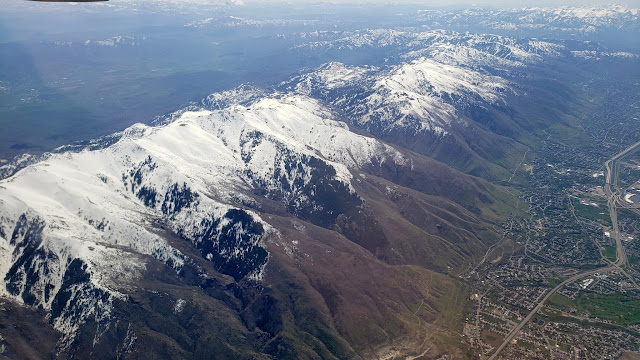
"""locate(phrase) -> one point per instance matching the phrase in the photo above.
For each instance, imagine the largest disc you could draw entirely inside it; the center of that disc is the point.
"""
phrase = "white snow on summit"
(422, 95)
(441, 79)
(418, 90)
(101, 206)
(332, 75)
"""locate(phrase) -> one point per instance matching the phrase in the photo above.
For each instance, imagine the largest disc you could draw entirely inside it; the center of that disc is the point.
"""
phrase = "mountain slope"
(207, 202)
(474, 101)
(433, 108)
(269, 210)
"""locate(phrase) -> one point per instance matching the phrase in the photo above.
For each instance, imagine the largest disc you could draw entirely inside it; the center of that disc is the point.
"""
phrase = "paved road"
(612, 198)
(516, 329)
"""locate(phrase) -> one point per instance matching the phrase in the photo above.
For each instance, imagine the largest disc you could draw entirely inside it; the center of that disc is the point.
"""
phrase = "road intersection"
(614, 199)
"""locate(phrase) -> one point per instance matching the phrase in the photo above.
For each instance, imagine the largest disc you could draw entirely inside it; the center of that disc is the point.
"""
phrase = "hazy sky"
(425, 3)
(506, 3)
(496, 3)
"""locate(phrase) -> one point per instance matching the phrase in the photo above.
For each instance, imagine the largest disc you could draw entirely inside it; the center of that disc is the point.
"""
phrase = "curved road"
(612, 198)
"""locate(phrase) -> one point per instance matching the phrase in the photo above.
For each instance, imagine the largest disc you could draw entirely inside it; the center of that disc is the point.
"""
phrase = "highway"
(613, 197)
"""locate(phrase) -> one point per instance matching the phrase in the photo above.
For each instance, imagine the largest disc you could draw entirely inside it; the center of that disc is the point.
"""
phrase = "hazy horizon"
(435, 3)
(494, 3)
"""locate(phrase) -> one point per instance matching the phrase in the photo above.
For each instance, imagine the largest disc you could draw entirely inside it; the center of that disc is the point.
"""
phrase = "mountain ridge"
(326, 217)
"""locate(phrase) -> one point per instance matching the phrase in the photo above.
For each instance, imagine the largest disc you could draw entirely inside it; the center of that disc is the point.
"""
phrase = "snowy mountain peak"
(77, 227)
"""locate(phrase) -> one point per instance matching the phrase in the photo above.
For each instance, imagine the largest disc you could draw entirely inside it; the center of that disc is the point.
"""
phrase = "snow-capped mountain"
(434, 93)
(417, 95)
(75, 228)
(81, 227)
(236, 21)
(486, 52)
(568, 21)
(310, 219)
(437, 91)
